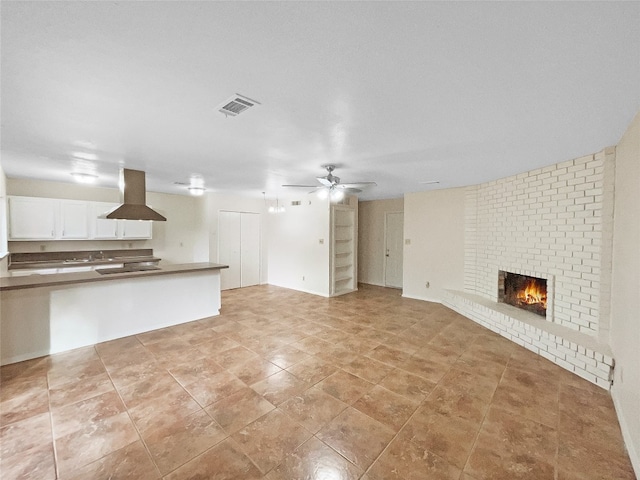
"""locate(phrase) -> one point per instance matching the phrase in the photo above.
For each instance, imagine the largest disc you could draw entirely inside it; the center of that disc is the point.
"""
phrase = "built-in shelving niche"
(343, 249)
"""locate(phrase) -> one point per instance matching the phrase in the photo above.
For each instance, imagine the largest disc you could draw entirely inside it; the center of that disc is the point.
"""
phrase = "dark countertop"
(56, 279)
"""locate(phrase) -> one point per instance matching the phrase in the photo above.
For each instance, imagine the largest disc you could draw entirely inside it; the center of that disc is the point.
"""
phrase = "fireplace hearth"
(523, 291)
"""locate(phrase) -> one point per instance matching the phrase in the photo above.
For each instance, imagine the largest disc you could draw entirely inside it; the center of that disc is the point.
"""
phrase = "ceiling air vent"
(236, 105)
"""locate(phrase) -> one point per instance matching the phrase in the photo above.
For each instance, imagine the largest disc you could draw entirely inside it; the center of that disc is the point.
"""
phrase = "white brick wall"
(556, 221)
(573, 351)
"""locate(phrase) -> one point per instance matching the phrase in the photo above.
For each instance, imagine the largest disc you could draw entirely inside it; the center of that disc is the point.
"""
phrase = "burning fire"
(533, 293)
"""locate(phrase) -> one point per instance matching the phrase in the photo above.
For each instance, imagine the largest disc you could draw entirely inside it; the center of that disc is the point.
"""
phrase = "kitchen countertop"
(56, 279)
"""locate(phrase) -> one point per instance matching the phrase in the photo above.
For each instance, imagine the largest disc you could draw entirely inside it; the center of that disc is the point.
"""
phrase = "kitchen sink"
(128, 269)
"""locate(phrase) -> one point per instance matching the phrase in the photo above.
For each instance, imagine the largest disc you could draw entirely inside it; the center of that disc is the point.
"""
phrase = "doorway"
(393, 236)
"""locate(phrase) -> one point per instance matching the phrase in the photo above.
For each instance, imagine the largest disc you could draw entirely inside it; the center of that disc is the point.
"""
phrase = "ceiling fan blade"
(324, 181)
(348, 189)
(301, 186)
(359, 184)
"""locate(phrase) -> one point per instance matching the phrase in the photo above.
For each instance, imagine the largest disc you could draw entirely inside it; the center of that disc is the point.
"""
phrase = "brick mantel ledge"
(574, 351)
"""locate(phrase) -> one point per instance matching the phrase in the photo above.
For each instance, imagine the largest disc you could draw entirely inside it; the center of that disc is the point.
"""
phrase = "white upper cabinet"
(104, 228)
(32, 218)
(135, 229)
(74, 220)
(35, 218)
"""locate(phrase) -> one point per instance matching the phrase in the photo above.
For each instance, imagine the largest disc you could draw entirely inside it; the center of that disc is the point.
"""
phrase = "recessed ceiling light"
(84, 177)
(196, 191)
(90, 156)
(196, 185)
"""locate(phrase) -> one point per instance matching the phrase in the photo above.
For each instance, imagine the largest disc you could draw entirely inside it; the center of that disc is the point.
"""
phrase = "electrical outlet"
(303, 278)
(427, 284)
(407, 241)
(321, 241)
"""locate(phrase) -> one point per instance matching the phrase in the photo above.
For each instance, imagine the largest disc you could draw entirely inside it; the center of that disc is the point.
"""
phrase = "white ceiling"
(393, 92)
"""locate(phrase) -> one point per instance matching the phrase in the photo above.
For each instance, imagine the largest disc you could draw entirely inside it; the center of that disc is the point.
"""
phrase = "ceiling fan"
(332, 185)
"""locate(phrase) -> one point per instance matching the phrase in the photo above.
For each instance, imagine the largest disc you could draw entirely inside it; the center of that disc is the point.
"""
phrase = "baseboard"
(632, 450)
(311, 292)
(424, 299)
(372, 283)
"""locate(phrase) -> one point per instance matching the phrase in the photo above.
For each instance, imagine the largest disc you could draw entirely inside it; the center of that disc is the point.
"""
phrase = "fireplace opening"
(523, 291)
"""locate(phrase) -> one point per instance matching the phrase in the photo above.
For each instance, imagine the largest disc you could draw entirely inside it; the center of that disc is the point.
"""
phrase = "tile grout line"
(142, 440)
(475, 440)
(405, 424)
(53, 438)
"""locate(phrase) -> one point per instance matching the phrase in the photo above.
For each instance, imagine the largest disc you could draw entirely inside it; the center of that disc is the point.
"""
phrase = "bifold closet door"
(239, 247)
(250, 249)
(229, 249)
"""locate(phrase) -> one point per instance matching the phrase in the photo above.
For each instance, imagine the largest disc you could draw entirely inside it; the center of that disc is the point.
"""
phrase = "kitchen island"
(45, 314)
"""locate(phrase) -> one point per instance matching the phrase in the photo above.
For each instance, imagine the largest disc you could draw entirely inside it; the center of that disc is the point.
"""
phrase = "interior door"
(249, 249)
(229, 249)
(393, 235)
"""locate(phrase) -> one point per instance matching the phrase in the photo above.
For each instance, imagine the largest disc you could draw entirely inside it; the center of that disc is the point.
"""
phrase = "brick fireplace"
(532, 293)
(556, 224)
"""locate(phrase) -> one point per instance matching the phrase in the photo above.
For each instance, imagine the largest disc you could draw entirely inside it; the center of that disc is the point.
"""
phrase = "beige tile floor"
(285, 385)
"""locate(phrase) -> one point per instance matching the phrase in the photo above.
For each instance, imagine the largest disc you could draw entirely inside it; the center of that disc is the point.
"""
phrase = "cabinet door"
(229, 249)
(32, 218)
(104, 228)
(135, 229)
(250, 249)
(74, 219)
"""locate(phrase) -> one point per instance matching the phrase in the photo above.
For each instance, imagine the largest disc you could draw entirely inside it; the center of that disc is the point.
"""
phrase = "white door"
(229, 249)
(250, 249)
(393, 235)
(239, 247)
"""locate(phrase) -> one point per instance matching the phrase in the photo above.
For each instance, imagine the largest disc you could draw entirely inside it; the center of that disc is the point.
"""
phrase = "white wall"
(371, 225)
(181, 239)
(3, 222)
(434, 223)
(297, 259)
(625, 320)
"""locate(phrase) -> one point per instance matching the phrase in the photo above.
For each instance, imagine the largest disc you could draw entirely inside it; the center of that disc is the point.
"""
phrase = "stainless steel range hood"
(133, 197)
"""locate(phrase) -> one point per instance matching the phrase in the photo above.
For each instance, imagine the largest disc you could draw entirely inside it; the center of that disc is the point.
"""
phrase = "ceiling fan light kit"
(332, 187)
